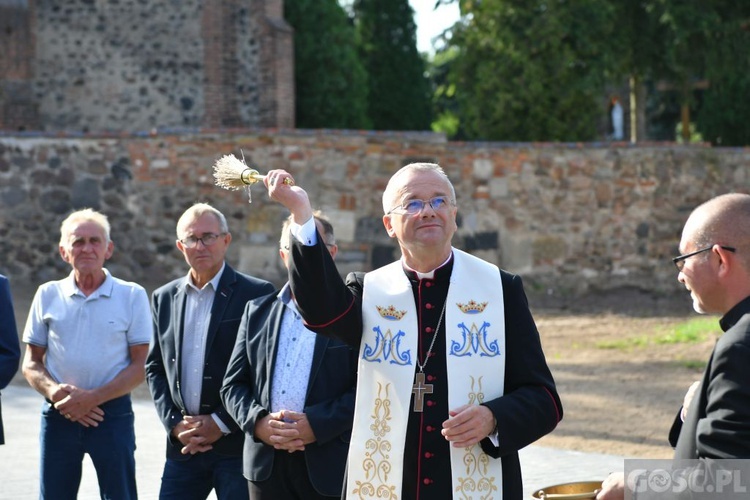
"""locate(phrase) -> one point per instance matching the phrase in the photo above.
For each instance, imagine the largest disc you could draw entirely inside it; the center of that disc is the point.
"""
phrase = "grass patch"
(692, 364)
(692, 331)
(624, 344)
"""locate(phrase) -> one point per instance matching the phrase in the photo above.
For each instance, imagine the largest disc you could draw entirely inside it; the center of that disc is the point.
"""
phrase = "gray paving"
(19, 458)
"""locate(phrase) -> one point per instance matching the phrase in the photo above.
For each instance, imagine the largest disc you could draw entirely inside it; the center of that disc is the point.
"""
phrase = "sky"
(431, 23)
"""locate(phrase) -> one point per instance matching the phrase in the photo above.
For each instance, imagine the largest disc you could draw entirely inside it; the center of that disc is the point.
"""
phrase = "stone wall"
(18, 109)
(571, 219)
(130, 65)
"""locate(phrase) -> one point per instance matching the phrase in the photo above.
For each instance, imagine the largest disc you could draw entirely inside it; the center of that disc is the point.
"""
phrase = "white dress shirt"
(198, 306)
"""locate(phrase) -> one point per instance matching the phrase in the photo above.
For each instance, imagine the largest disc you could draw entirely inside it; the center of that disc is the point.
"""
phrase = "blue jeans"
(111, 447)
(197, 475)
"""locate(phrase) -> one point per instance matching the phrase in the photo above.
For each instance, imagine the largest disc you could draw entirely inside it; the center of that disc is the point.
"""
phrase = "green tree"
(687, 27)
(636, 52)
(532, 70)
(723, 116)
(677, 43)
(445, 109)
(399, 93)
(330, 80)
(688, 41)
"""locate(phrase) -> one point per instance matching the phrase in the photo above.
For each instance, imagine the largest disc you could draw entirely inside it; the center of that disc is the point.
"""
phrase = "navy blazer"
(10, 351)
(329, 404)
(164, 364)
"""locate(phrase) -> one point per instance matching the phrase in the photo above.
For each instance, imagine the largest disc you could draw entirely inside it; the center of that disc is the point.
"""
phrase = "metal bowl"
(582, 490)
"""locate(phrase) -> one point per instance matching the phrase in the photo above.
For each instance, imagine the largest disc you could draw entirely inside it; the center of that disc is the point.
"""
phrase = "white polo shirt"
(88, 338)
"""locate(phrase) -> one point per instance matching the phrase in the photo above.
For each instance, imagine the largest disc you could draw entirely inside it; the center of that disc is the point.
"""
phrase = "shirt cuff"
(305, 233)
(494, 439)
(494, 435)
(224, 429)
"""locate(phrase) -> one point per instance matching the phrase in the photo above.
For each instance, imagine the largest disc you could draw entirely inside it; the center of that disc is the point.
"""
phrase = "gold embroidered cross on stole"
(419, 389)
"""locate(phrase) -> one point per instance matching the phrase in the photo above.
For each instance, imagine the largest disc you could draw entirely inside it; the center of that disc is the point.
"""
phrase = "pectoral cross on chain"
(419, 389)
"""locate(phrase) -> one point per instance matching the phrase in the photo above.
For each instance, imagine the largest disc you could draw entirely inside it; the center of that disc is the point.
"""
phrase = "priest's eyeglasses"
(413, 207)
(207, 239)
(679, 262)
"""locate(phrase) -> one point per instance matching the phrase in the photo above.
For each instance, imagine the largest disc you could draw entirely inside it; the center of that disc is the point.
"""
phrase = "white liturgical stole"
(475, 358)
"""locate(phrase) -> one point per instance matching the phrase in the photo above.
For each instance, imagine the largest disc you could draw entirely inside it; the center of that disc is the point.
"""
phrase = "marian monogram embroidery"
(387, 348)
(477, 480)
(474, 341)
(474, 338)
(377, 462)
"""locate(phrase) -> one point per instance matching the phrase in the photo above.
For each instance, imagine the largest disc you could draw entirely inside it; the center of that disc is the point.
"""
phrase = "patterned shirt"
(291, 372)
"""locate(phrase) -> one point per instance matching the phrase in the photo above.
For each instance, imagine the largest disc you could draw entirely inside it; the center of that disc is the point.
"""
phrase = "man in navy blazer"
(195, 326)
(10, 351)
(292, 392)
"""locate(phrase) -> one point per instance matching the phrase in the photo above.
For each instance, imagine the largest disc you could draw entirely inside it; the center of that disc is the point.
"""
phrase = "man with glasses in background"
(196, 319)
(714, 422)
(452, 380)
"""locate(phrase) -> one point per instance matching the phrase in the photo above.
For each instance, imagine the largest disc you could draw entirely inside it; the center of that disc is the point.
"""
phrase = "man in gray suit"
(195, 326)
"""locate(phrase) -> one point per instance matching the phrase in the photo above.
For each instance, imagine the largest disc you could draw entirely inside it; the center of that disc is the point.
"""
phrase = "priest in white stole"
(452, 379)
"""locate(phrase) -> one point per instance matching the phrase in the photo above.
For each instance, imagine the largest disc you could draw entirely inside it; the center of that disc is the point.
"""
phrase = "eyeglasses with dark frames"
(679, 261)
(207, 239)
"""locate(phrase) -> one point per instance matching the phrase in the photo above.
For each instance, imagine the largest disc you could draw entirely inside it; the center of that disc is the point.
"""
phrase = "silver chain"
(437, 329)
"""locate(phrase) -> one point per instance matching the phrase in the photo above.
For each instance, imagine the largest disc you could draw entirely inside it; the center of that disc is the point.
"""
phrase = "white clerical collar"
(428, 275)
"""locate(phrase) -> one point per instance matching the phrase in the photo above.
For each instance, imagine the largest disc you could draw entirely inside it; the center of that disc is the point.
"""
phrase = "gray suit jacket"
(164, 363)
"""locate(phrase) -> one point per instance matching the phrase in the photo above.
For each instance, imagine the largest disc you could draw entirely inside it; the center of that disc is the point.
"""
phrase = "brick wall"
(571, 219)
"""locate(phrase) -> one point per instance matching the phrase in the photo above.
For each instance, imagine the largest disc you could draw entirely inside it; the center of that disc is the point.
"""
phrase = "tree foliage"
(535, 70)
(330, 80)
(444, 104)
(522, 70)
(722, 118)
(532, 70)
(710, 42)
(398, 91)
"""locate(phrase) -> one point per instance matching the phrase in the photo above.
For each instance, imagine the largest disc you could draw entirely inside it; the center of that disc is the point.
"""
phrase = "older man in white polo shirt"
(87, 338)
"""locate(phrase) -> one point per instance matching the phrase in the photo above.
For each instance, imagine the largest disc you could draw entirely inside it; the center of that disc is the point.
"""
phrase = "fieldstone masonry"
(133, 65)
(571, 219)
